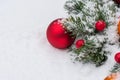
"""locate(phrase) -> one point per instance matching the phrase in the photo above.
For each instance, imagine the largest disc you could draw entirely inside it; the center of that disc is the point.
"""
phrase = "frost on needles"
(83, 14)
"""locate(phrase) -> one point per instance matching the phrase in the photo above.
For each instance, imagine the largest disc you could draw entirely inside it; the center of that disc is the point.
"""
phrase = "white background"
(25, 53)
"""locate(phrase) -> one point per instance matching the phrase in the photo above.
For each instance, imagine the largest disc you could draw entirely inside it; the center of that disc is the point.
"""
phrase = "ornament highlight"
(80, 43)
(100, 25)
(117, 57)
(58, 36)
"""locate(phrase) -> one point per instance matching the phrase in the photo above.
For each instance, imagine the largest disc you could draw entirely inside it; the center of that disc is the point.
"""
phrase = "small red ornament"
(58, 36)
(117, 1)
(100, 25)
(117, 57)
(80, 43)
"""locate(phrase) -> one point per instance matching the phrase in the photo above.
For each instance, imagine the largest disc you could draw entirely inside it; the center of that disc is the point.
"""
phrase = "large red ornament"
(117, 1)
(100, 25)
(80, 43)
(58, 36)
(117, 57)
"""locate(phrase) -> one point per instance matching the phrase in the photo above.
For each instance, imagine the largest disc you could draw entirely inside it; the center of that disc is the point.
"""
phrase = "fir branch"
(116, 68)
(81, 24)
(91, 53)
(75, 8)
(89, 15)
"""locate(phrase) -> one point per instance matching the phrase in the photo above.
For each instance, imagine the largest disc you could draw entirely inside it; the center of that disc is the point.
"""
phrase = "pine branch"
(81, 24)
(116, 68)
(75, 8)
(77, 27)
(92, 53)
(88, 15)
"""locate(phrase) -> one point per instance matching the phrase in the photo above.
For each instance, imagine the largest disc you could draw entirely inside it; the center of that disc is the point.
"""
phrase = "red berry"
(80, 43)
(117, 57)
(100, 25)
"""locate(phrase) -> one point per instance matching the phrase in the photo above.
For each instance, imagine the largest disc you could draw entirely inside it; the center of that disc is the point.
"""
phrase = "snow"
(25, 53)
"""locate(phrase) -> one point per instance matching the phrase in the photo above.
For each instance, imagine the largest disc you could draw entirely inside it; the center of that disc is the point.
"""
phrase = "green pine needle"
(81, 24)
(116, 68)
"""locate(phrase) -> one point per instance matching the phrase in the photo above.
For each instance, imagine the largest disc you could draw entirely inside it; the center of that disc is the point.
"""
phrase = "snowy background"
(25, 53)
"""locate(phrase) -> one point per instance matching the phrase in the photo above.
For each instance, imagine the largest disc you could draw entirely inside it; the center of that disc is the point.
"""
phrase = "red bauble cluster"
(117, 57)
(58, 36)
(100, 25)
(80, 43)
(117, 1)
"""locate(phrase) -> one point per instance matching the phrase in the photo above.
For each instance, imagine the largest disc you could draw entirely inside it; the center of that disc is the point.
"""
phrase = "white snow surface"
(25, 53)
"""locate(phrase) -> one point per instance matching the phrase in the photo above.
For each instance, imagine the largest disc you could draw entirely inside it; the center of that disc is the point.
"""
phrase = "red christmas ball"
(100, 25)
(58, 36)
(117, 57)
(117, 1)
(80, 43)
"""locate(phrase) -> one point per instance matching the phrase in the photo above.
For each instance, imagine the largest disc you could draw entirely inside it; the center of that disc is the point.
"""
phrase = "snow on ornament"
(58, 36)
